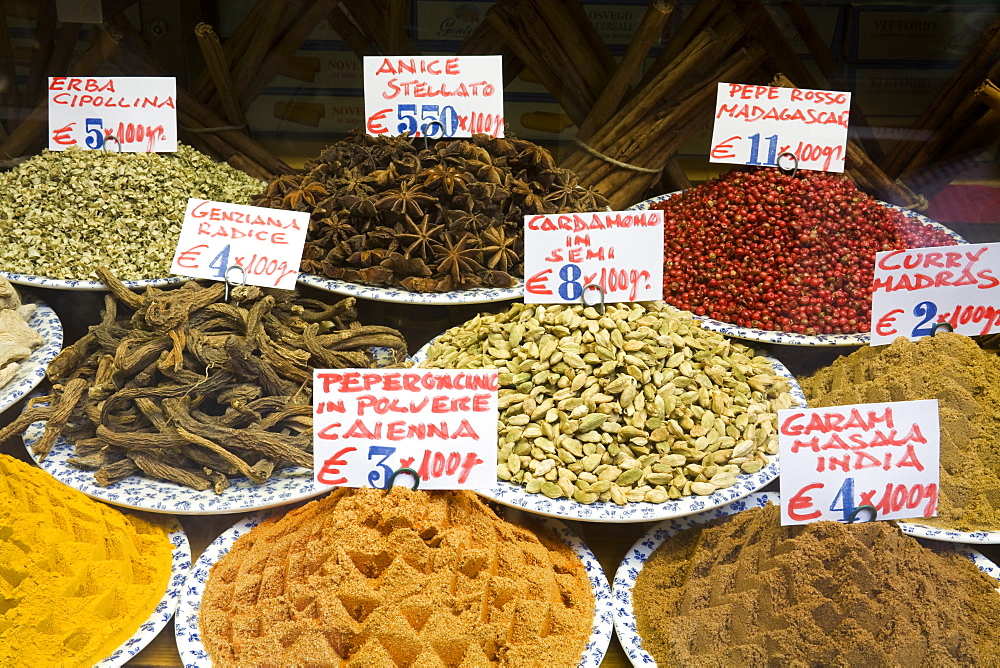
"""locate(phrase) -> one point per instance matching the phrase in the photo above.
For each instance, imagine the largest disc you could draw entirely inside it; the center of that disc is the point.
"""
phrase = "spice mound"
(771, 251)
(366, 578)
(187, 387)
(637, 404)
(387, 211)
(745, 591)
(77, 577)
(966, 382)
(62, 213)
(17, 339)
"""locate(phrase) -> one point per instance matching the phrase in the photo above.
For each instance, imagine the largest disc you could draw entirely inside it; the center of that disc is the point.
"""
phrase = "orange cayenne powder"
(366, 578)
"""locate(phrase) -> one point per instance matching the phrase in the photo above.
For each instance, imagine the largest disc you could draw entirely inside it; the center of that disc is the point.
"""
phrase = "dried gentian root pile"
(387, 211)
(193, 389)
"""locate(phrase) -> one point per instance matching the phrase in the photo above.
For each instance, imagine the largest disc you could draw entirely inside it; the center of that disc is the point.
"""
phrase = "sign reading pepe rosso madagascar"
(433, 96)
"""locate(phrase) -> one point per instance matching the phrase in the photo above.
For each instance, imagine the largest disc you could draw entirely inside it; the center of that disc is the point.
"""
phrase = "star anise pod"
(445, 178)
(459, 259)
(422, 239)
(408, 199)
(304, 195)
(499, 249)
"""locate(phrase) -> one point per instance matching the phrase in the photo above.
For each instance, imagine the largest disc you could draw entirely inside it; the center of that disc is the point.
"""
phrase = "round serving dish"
(401, 296)
(630, 567)
(31, 371)
(88, 285)
(791, 338)
(193, 653)
(161, 496)
(515, 496)
(950, 535)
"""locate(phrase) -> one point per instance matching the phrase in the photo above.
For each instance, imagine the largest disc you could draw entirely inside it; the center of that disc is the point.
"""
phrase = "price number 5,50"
(437, 120)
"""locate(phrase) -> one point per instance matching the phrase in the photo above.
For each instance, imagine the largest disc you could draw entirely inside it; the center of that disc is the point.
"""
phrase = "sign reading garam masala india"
(433, 96)
(756, 124)
(265, 243)
(914, 290)
(837, 458)
(621, 251)
(369, 423)
(126, 114)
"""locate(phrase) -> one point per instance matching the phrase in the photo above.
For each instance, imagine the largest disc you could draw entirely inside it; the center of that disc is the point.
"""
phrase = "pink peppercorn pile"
(771, 251)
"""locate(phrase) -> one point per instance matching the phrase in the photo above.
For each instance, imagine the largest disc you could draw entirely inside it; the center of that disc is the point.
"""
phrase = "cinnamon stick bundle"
(215, 61)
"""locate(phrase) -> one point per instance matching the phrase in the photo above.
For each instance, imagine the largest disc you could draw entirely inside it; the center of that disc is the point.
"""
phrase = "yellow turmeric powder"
(77, 577)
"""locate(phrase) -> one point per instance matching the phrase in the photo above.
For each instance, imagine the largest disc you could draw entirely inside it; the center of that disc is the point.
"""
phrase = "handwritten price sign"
(917, 289)
(838, 458)
(754, 125)
(126, 114)
(431, 96)
(442, 423)
(265, 243)
(621, 251)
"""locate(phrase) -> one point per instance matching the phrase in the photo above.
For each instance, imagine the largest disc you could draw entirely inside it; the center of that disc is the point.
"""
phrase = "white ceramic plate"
(513, 495)
(630, 567)
(192, 651)
(32, 370)
(160, 496)
(88, 285)
(401, 296)
(180, 565)
(791, 338)
(949, 535)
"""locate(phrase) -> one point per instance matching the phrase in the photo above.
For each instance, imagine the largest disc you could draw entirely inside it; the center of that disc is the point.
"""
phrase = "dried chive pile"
(793, 253)
(637, 404)
(62, 213)
(387, 211)
(193, 389)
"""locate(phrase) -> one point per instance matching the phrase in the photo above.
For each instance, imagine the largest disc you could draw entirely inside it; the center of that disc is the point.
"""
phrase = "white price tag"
(915, 291)
(440, 423)
(755, 125)
(836, 459)
(265, 243)
(125, 114)
(434, 96)
(620, 251)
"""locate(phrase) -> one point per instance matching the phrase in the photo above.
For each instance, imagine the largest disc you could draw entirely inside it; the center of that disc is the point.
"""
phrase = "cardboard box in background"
(939, 34)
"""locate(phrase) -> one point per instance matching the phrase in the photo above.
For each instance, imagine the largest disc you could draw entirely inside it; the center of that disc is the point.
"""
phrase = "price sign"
(126, 114)
(369, 423)
(265, 243)
(754, 125)
(434, 96)
(916, 290)
(621, 251)
(835, 459)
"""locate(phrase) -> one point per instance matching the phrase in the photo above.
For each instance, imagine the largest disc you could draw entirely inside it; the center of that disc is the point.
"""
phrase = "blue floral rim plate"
(161, 496)
(515, 496)
(193, 653)
(180, 563)
(630, 567)
(31, 371)
(401, 296)
(950, 535)
(791, 338)
(87, 285)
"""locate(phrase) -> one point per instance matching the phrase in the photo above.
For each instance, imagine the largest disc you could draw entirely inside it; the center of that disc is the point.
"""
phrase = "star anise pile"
(387, 211)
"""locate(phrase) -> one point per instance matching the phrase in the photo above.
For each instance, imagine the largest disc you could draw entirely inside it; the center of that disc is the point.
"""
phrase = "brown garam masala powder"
(745, 591)
(966, 382)
(369, 578)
